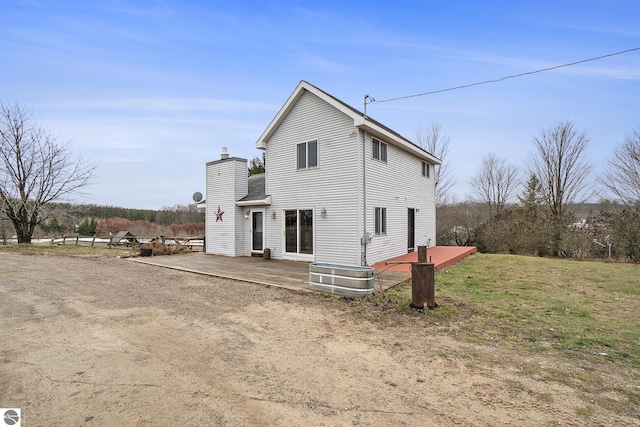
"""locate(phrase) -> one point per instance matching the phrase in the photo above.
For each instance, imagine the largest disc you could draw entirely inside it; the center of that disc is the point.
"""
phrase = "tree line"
(90, 220)
(547, 218)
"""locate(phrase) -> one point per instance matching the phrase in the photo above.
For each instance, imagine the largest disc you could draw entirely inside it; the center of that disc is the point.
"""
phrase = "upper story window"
(426, 169)
(379, 150)
(308, 155)
(380, 221)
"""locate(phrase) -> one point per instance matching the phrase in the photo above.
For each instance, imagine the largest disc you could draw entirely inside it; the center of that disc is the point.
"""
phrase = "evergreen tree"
(256, 165)
(88, 227)
(532, 200)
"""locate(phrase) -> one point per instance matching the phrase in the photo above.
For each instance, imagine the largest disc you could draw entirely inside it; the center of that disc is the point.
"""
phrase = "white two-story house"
(339, 188)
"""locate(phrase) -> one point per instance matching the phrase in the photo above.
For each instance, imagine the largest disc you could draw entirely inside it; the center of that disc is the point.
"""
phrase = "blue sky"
(150, 91)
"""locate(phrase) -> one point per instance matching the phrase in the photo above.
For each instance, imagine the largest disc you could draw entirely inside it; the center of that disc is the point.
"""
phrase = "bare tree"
(559, 164)
(622, 175)
(495, 183)
(34, 170)
(435, 142)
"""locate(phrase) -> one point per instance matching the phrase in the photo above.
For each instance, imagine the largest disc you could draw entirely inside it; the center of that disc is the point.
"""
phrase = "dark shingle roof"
(256, 188)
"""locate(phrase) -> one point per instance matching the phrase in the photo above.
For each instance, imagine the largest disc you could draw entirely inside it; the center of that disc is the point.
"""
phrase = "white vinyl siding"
(334, 185)
(226, 182)
(398, 186)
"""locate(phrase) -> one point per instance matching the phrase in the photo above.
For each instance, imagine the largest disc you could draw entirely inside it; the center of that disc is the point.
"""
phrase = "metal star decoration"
(219, 215)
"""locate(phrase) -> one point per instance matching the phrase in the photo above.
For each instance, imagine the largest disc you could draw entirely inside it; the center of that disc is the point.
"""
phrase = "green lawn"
(538, 304)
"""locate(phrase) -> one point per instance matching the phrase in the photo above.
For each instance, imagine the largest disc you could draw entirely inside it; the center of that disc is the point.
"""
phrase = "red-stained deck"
(441, 256)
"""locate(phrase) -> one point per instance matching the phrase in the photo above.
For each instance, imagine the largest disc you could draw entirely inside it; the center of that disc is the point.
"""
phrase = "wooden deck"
(292, 275)
(441, 256)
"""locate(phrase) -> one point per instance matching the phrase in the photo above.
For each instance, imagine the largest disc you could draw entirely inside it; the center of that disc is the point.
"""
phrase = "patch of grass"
(585, 377)
(585, 411)
(542, 303)
(544, 397)
(515, 385)
(66, 250)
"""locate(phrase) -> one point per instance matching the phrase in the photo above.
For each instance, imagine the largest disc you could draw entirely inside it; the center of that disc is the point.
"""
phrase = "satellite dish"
(197, 196)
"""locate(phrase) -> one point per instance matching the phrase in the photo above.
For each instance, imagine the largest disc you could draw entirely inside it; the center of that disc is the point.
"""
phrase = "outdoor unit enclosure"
(341, 279)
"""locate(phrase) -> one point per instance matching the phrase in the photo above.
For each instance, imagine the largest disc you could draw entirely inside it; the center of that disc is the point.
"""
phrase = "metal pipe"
(364, 196)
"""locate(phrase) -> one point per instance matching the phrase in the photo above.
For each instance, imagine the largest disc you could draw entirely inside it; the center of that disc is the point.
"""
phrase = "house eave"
(378, 131)
(360, 121)
(261, 202)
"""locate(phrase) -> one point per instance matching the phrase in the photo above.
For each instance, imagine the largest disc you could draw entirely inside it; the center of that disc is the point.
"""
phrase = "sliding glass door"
(298, 233)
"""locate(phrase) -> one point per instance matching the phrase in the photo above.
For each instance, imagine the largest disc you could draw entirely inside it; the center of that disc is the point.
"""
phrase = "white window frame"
(426, 169)
(251, 214)
(306, 155)
(379, 150)
(380, 220)
(298, 255)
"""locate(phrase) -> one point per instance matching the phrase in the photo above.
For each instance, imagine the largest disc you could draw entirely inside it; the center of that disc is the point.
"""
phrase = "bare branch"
(34, 170)
(435, 142)
(559, 164)
(495, 183)
(622, 176)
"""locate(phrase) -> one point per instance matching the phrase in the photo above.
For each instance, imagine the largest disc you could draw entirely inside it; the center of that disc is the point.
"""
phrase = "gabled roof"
(360, 120)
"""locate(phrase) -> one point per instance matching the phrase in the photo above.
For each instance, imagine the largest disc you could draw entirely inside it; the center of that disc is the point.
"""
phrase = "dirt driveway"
(107, 342)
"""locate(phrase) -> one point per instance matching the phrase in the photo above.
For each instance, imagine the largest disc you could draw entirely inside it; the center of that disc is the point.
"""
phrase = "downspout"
(364, 197)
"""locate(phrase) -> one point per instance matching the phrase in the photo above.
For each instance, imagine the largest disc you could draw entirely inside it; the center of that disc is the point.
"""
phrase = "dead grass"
(67, 250)
(576, 321)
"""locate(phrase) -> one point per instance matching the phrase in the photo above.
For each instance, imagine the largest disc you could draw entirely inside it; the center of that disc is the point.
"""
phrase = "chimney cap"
(225, 154)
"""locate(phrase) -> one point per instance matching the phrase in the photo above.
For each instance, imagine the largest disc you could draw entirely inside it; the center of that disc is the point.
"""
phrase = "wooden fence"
(194, 243)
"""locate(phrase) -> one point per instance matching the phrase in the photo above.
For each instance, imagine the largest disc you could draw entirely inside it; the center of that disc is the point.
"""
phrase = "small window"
(313, 153)
(307, 155)
(379, 150)
(426, 169)
(302, 155)
(380, 221)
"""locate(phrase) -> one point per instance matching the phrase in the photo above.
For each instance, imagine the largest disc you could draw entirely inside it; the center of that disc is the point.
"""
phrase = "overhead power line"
(512, 76)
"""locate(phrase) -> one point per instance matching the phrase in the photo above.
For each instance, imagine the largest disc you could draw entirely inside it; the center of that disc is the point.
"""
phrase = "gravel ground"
(109, 342)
